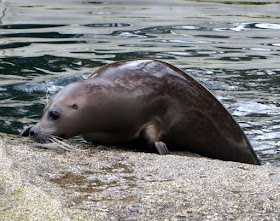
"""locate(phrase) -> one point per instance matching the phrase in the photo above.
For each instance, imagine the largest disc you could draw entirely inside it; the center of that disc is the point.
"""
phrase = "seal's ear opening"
(75, 106)
(25, 132)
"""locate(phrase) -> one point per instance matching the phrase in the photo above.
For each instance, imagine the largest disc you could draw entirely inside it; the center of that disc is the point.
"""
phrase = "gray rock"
(102, 183)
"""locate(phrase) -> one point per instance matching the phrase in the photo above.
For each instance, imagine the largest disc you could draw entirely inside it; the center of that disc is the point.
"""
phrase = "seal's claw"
(161, 148)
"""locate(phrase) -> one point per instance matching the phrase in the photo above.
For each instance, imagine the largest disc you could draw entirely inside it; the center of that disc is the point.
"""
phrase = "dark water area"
(231, 47)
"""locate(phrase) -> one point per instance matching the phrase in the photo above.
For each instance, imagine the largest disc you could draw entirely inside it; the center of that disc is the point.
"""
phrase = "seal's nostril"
(31, 132)
(25, 132)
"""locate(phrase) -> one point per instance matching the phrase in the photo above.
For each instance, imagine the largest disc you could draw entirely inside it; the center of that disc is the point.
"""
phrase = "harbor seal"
(149, 100)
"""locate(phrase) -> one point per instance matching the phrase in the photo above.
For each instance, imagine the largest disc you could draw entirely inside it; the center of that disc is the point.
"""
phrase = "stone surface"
(102, 183)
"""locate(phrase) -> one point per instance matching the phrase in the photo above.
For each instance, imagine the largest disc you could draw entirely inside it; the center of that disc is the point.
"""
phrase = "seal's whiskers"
(61, 143)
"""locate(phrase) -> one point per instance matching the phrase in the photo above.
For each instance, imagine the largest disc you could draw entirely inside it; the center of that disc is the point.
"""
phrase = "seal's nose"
(31, 132)
(26, 131)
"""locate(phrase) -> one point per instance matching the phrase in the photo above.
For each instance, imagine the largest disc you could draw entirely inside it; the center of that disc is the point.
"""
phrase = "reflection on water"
(232, 47)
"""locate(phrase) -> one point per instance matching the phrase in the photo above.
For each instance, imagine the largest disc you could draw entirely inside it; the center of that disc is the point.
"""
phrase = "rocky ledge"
(102, 183)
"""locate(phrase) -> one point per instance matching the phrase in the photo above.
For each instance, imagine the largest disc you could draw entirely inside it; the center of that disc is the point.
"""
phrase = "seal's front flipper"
(161, 147)
(151, 134)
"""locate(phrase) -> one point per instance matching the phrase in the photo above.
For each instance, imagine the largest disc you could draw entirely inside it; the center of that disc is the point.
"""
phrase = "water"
(231, 47)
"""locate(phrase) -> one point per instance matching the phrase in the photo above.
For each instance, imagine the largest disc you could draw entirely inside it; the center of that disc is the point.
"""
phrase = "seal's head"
(66, 115)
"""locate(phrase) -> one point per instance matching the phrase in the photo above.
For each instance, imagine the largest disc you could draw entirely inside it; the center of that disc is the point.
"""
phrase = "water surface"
(231, 47)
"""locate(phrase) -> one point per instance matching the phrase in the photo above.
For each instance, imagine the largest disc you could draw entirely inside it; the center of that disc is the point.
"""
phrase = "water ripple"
(250, 108)
(247, 26)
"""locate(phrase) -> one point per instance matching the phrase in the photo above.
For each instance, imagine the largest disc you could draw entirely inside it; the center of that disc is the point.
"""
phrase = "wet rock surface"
(102, 183)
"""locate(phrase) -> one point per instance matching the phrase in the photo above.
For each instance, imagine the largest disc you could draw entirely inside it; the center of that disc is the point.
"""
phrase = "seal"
(149, 100)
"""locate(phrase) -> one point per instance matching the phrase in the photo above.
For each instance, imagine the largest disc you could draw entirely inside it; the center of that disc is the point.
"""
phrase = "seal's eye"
(75, 106)
(54, 115)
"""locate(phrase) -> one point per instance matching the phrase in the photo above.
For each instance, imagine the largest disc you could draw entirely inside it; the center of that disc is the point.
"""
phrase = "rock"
(102, 183)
